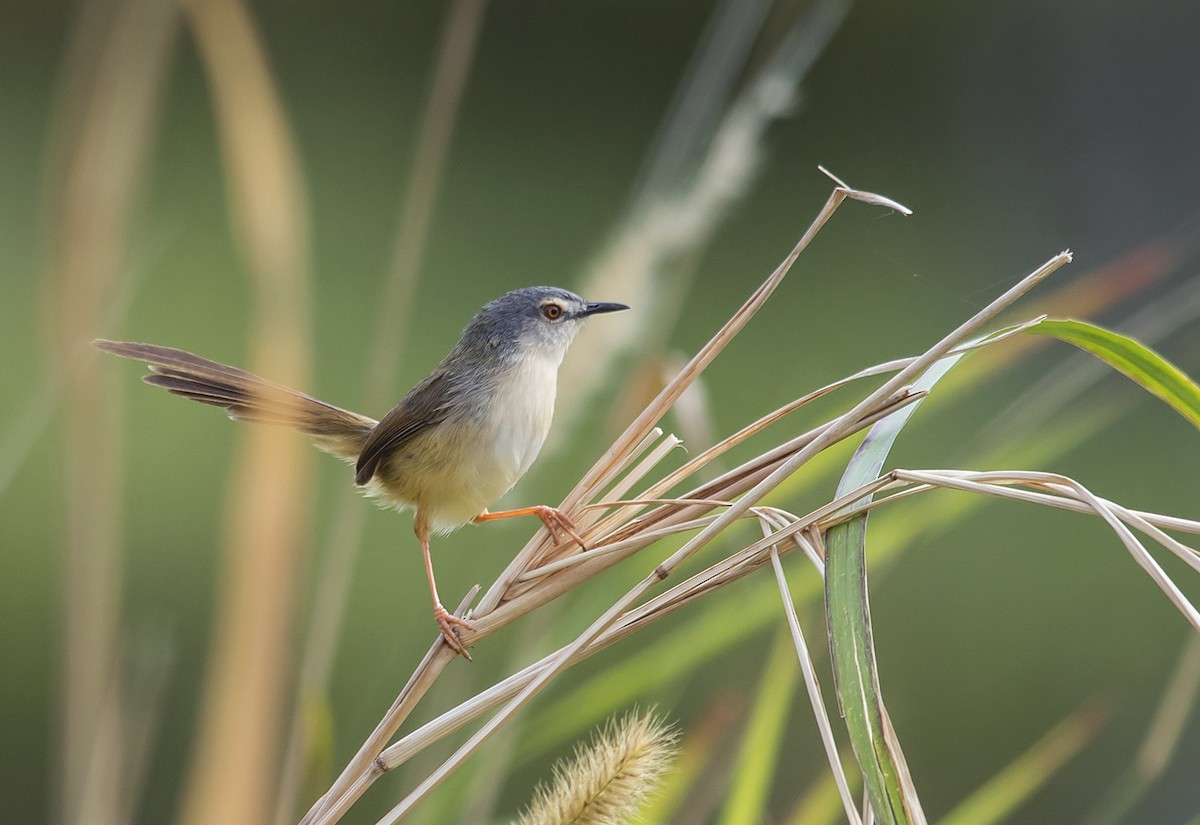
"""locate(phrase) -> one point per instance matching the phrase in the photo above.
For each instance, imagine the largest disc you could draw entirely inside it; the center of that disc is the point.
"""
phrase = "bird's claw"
(557, 521)
(447, 622)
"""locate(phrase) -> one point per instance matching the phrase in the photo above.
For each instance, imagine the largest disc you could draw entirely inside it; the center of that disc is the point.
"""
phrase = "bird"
(454, 444)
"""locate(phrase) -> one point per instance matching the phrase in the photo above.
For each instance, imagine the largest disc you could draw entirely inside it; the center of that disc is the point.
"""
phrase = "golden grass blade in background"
(454, 57)
(1007, 790)
(1161, 743)
(106, 121)
(236, 757)
(822, 804)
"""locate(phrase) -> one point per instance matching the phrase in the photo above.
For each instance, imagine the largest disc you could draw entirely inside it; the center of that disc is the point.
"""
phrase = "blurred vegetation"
(1012, 130)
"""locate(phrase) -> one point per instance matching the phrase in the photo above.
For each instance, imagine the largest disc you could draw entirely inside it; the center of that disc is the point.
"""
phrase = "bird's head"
(536, 320)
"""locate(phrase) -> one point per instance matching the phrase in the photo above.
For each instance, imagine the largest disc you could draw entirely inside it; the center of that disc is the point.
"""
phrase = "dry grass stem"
(335, 801)
(999, 483)
(618, 527)
(696, 173)
(105, 121)
(814, 687)
(235, 762)
(604, 526)
(1067, 490)
(364, 768)
(454, 57)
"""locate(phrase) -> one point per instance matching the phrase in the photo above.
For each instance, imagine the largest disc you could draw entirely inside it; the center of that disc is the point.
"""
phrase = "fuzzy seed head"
(606, 782)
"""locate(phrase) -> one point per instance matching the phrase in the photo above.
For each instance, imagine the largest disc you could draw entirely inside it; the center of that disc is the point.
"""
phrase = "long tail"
(247, 397)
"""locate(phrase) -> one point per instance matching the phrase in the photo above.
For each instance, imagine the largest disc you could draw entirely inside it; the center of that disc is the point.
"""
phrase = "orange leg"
(554, 519)
(445, 619)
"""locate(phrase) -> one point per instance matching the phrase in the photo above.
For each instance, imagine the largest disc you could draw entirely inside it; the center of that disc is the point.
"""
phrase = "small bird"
(458, 441)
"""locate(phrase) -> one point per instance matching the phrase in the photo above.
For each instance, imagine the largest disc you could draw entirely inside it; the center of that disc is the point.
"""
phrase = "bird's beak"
(597, 308)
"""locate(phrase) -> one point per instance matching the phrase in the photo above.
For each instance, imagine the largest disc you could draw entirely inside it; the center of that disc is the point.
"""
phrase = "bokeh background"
(1013, 130)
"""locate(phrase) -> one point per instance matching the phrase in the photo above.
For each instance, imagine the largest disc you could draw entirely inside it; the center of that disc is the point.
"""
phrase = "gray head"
(533, 320)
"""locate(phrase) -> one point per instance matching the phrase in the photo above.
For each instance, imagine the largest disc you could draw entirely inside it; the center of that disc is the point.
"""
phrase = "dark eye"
(552, 311)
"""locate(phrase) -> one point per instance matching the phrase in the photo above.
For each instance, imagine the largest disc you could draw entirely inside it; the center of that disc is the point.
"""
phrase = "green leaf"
(1133, 359)
(848, 614)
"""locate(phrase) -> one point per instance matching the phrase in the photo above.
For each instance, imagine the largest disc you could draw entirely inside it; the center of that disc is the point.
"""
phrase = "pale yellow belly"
(457, 470)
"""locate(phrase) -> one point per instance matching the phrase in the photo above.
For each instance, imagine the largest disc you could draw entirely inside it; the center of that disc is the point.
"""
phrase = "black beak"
(597, 308)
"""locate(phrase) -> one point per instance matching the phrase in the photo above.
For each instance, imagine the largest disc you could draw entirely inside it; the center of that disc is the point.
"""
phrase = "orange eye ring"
(552, 311)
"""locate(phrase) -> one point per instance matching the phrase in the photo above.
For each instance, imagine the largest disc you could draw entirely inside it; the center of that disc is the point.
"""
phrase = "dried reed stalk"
(701, 166)
(617, 528)
(106, 120)
(454, 58)
(742, 563)
(499, 606)
(235, 761)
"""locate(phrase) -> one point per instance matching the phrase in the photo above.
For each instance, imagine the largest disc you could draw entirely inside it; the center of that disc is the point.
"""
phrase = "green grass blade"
(758, 756)
(852, 651)
(1132, 359)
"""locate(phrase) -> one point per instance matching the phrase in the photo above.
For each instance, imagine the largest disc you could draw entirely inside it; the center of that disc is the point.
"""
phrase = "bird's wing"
(417, 412)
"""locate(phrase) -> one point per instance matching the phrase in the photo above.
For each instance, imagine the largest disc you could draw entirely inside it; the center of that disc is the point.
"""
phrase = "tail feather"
(247, 397)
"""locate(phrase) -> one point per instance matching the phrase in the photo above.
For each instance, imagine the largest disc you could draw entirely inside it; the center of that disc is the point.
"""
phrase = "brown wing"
(421, 409)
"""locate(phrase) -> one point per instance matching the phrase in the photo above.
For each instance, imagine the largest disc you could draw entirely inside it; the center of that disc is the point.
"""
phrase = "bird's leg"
(554, 519)
(446, 620)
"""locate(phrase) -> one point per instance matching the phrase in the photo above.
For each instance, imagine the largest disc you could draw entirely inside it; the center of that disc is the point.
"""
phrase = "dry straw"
(617, 527)
(633, 528)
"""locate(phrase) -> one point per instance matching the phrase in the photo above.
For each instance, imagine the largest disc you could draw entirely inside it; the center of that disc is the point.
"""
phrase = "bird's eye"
(552, 311)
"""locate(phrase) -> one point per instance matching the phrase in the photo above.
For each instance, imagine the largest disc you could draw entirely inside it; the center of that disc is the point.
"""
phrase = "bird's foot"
(556, 522)
(447, 622)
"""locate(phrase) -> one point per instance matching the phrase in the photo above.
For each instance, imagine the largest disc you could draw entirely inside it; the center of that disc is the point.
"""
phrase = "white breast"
(510, 435)
(520, 419)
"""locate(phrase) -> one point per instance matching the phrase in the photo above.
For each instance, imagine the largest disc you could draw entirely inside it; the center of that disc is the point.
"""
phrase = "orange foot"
(556, 520)
(448, 622)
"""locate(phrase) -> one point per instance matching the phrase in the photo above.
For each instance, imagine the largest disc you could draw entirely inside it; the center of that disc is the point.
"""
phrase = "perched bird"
(458, 441)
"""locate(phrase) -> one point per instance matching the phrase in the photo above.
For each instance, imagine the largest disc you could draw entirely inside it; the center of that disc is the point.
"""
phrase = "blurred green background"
(1013, 130)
